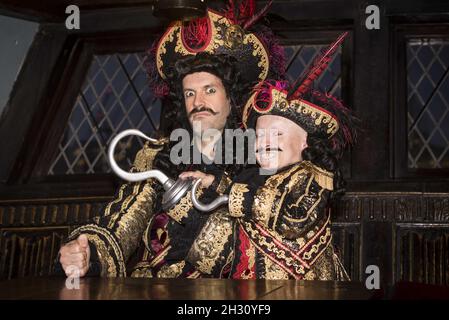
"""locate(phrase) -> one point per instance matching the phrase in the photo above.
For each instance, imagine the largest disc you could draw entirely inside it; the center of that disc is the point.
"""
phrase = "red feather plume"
(255, 17)
(238, 12)
(319, 65)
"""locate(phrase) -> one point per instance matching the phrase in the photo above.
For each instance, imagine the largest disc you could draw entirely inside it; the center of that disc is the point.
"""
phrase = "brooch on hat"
(234, 32)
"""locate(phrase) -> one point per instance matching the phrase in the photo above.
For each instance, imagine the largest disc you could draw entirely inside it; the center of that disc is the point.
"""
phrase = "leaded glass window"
(114, 97)
(428, 103)
(300, 57)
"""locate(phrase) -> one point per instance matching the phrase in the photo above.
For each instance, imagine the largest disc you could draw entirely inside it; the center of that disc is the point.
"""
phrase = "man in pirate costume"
(194, 65)
(280, 222)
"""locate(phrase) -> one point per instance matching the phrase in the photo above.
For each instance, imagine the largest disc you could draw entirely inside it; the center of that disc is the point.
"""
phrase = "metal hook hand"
(206, 207)
(174, 191)
(136, 176)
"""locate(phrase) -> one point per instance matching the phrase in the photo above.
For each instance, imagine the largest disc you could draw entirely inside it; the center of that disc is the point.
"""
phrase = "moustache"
(202, 110)
(268, 149)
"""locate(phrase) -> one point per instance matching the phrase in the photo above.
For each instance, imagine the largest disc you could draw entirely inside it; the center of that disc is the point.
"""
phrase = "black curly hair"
(222, 66)
(319, 151)
(326, 153)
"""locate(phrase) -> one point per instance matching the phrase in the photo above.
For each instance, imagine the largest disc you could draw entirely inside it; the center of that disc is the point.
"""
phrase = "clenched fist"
(206, 179)
(75, 255)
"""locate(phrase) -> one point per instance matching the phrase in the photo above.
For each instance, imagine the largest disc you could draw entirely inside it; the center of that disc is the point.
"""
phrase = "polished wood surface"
(54, 288)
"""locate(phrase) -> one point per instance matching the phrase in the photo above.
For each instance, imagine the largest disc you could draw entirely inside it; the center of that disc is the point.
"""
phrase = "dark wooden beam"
(54, 10)
(29, 92)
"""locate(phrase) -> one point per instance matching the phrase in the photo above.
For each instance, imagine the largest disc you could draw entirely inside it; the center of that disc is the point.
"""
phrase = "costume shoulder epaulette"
(145, 156)
(324, 178)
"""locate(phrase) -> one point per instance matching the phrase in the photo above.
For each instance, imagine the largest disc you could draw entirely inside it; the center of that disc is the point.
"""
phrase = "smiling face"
(206, 101)
(279, 142)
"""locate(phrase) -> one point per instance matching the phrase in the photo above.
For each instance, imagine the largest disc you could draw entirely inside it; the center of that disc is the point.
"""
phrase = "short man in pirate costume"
(280, 221)
(197, 65)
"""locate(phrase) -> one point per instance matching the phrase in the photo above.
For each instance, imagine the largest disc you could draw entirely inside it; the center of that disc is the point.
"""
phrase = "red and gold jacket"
(275, 227)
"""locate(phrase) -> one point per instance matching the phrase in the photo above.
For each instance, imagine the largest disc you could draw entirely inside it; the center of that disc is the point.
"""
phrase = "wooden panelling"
(31, 232)
(423, 253)
(29, 251)
(347, 243)
(406, 235)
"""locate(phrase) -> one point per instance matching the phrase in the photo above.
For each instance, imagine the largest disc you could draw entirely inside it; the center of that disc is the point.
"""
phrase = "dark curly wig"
(320, 153)
(222, 66)
(175, 114)
(326, 153)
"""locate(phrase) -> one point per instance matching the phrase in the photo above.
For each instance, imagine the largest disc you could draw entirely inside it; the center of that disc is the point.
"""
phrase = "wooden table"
(54, 288)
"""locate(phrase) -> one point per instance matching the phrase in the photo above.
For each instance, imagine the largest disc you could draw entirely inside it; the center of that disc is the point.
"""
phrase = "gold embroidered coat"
(133, 227)
(286, 210)
(276, 227)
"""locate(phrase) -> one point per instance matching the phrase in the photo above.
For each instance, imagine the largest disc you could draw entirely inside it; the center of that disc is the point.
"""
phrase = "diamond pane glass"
(428, 103)
(114, 97)
(300, 57)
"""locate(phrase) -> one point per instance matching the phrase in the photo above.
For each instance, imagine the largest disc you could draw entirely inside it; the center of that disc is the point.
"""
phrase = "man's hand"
(206, 179)
(75, 254)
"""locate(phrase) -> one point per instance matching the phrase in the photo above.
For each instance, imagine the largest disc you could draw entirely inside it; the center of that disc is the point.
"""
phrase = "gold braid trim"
(146, 234)
(160, 256)
(308, 211)
(278, 208)
(266, 204)
(316, 115)
(145, 156)
(142, 270)
(162, 47)
(116, 215)
(128, 200)
(236, 199)
(172, 270)
(251, 254)
(229, 261)
(194, 275)
(131, 221)
(263, 202)
(319, 246)
(260, 242)
(296, 179)
(324, 181)
(131, 224)
(324, 178)
(223, 35)
(207, 247)
(225, 182)
(142, 162)
(273, 271)
(107, 211)
(259, 51)
(300, 261)
(182, 208)
(109, 266)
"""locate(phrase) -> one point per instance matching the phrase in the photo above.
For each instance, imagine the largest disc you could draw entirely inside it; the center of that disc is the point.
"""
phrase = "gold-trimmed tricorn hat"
(234, 32)
(318, 114)
(215, 34)
(271, 99)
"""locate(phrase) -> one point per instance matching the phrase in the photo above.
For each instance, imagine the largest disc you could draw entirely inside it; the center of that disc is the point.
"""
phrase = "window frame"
(326, 35)
(50, 121)
(30, 171)
(398, 94)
